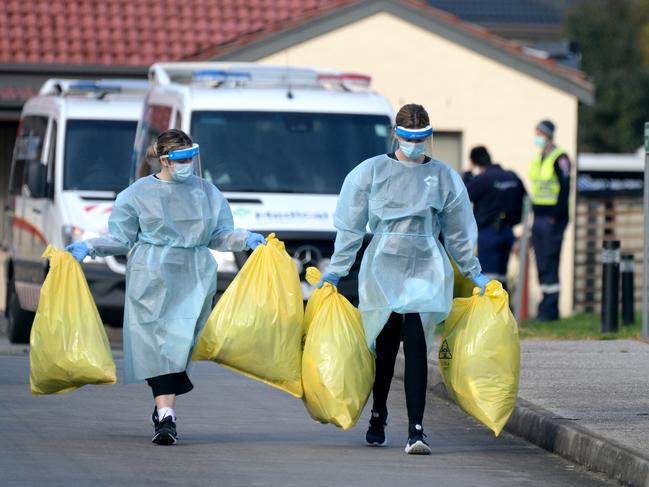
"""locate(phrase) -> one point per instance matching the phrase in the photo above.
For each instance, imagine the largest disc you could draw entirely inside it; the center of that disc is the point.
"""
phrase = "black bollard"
(627, 269)
(610, 285)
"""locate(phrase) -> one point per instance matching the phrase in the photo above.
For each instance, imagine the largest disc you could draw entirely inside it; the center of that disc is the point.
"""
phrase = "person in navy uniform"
(497, 196)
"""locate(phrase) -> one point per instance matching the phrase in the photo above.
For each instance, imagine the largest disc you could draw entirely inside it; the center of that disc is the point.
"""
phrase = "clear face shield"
(414, 142)
(184, 163)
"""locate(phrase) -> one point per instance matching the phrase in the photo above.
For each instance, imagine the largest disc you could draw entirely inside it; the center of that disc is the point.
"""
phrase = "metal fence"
(596, 220)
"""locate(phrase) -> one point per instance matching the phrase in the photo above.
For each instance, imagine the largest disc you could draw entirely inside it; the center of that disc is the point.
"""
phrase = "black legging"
(177, 383)
(408, 328)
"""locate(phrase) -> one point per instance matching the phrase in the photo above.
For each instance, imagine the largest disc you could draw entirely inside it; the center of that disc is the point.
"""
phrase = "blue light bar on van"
(95, 86)
(220, 75)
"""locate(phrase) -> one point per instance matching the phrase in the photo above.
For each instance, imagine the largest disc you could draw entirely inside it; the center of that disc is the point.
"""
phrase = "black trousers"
(408, 328)
(494, 248)
(547, 237)
(177, 383)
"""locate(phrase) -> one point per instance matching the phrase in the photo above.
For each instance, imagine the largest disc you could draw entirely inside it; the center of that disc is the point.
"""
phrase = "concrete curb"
(559, 435)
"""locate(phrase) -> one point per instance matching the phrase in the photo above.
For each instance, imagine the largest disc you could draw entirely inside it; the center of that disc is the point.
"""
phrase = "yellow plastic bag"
(462, 286)
(256, 327)
(68, 345)
(479, 356)
(337, 366)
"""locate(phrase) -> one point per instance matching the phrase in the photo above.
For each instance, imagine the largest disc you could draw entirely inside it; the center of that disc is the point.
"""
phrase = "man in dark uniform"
(550, 179)
(497, 197)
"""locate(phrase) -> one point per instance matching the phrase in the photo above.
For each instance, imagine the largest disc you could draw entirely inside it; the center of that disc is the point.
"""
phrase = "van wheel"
(19, 324)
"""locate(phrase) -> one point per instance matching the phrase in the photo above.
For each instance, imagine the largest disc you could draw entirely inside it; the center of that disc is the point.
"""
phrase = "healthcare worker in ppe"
(168, 222)
(406, 280)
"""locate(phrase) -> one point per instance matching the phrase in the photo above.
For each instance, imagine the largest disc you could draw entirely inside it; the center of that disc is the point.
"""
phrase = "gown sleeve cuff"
(92, 252)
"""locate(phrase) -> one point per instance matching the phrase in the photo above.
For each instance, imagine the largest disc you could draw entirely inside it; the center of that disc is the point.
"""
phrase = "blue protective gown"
(405, 268)
(171, 274)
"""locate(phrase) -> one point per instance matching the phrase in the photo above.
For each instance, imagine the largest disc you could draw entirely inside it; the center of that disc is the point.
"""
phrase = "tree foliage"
(613, 37)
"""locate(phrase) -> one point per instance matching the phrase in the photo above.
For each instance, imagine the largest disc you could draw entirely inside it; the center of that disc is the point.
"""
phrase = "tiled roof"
(441, 15)
(529, 12)
(495, 40)
(138, 32)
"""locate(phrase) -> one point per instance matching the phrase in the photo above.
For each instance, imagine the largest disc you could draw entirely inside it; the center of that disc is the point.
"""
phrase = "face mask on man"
(412, 150)
(540, 141)
(182, 172)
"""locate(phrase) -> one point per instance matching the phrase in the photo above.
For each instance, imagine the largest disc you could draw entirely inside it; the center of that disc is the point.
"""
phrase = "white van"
(277, 141)
(72, 156)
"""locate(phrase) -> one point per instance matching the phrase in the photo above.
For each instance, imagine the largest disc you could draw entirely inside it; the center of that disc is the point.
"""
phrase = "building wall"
(488, 102)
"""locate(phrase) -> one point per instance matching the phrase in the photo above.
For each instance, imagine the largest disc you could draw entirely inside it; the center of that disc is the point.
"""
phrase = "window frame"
(20, 167)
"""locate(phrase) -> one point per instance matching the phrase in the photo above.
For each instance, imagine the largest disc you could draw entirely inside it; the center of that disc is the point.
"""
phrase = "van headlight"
(226, 261)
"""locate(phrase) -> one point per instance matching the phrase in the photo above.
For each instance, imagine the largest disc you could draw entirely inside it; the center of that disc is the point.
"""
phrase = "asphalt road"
(235, 431)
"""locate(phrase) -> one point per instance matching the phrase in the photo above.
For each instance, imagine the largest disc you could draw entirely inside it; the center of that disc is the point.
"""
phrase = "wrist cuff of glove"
(474, 275)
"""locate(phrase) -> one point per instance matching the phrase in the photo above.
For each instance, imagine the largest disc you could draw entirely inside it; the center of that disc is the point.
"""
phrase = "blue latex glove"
(79, 250)
(254, 240)
(481, 281)
(329, 277)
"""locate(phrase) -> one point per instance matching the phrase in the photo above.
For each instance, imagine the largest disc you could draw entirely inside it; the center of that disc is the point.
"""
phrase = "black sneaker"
(416, 444)
(375, 435)
(165, 432)
(154, 417)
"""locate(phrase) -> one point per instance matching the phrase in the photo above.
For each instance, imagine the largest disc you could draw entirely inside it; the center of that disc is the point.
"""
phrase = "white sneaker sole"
(418, 448)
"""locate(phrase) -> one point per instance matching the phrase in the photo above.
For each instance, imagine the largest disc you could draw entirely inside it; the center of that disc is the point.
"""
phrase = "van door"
(39, 179)
(28, 185)
(28, 163)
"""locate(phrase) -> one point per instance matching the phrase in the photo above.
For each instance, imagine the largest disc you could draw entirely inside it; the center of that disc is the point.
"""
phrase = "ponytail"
(152, 151)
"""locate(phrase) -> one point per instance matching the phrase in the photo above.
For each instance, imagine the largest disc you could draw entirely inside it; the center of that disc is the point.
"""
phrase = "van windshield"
(285, 152)
(98, 154)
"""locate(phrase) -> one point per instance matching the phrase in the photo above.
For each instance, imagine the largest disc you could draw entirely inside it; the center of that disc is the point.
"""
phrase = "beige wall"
(463, 91)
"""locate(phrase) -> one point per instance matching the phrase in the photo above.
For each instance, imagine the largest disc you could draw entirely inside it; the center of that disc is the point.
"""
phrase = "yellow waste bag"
(462, 286)
(68, 345)
(337, 366)
(479, 356)
(256, 327)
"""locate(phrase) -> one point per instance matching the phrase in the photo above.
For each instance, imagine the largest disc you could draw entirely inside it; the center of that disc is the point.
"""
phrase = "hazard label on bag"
(444, 354)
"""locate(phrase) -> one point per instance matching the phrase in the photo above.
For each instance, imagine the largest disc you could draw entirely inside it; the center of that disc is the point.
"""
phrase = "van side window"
(28, 151)
(157, 119)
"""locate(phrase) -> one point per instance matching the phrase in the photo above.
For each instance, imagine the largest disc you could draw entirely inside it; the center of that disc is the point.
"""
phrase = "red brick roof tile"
(138, 32)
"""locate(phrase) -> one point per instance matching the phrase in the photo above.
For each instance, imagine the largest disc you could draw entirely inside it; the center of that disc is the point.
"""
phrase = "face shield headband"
(413, 134)
(180, 154)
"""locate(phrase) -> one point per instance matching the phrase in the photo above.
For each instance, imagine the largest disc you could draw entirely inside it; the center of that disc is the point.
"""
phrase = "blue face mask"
(540, 141)
(182, 172)
(412, 150)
